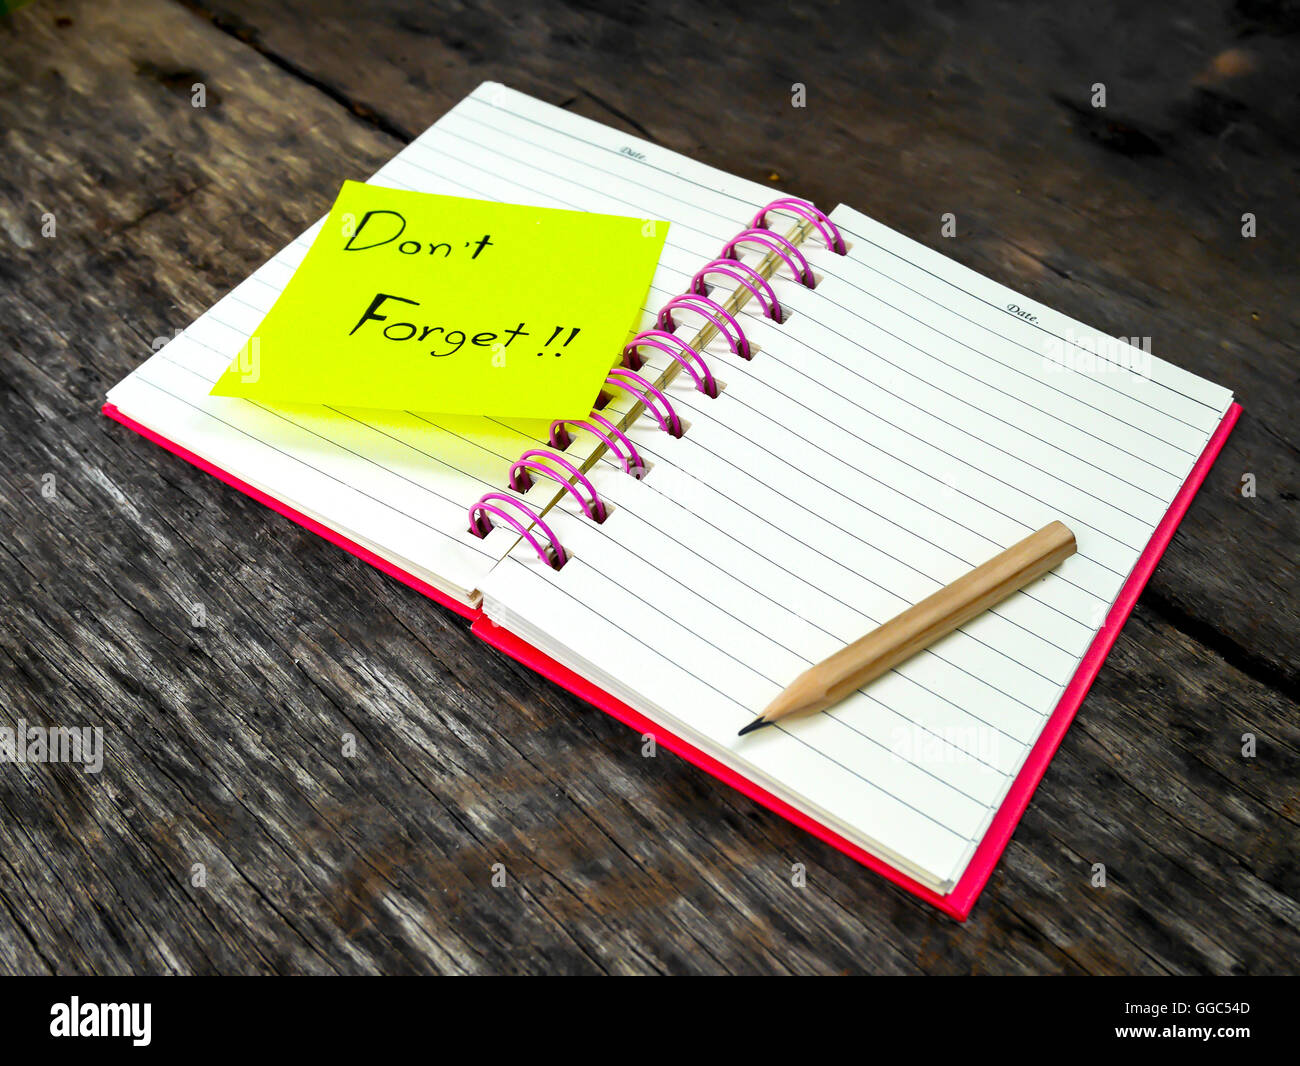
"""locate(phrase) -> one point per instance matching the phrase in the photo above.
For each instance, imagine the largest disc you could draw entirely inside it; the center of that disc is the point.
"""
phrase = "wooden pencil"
(861, 662)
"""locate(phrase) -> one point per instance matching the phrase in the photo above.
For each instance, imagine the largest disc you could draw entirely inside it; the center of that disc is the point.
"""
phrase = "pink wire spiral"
(521, 480)
(794, 206)
(481, 525)
(721, 318)
(658, 338)
(650, 397)
(547, 464)
(759, 287)
(628, 455)
(773, 242)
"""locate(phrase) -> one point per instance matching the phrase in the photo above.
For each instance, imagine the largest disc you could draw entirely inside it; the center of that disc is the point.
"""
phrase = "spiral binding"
(531, 461)
(481, 525)
(830, 233)
(649, 396)
(723, 321)
(656, 338)
(759, 287)
(628, 455)
(753, 283)
(777, 245)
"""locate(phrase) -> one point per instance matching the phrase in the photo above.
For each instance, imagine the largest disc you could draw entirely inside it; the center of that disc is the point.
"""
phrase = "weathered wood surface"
(224, 742)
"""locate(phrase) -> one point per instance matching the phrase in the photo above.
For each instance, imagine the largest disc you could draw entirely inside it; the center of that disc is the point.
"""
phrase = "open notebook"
(905, 420)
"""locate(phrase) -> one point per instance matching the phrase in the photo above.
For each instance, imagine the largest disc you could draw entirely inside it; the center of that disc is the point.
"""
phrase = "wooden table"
(225, 742)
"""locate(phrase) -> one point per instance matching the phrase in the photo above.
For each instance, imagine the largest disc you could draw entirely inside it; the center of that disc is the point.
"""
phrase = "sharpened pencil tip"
(757, 723)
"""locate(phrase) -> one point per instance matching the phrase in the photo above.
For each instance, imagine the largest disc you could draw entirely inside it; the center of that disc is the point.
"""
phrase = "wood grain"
(226, 743)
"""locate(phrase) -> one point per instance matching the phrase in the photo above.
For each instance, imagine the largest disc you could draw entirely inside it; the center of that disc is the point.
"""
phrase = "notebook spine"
(753, 283)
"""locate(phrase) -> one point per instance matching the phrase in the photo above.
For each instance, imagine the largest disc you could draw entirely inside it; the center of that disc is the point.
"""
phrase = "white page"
(898, 430)
(401, 484)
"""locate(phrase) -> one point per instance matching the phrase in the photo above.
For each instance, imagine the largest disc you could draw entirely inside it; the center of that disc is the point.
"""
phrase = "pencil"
(861, 662)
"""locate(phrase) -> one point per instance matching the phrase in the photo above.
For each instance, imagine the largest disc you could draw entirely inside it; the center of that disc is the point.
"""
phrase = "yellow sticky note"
(420, 302)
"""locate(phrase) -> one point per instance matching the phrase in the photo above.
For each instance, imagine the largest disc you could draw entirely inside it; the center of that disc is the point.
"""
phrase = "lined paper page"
(401, 483)
(901, 428)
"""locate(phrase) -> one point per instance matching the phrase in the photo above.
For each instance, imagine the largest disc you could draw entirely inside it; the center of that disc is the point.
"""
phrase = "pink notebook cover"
(961, 899)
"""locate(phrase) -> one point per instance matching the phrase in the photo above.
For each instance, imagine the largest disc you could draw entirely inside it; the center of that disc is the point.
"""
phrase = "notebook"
(819, 423)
